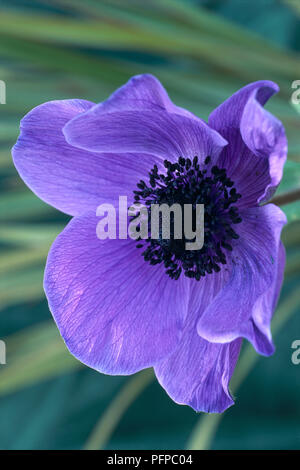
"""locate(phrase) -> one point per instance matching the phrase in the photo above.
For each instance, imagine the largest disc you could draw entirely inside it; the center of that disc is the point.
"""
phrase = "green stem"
(286, 198)
(113, 414)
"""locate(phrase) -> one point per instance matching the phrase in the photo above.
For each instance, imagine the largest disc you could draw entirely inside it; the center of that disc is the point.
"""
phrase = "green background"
(202, 51)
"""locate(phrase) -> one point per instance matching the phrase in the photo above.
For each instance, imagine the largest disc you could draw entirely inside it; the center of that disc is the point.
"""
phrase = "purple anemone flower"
(121, 309)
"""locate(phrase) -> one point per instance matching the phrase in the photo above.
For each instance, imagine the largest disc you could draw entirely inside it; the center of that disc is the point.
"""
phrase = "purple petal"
(72, 180)
(141, 92)
(257, 143)
(264, 307)
(198, 372)
(116, 313)
(255, 270)
(153, 132)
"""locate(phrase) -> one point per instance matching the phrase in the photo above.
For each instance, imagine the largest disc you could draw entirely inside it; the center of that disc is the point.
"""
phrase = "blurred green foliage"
(202, 51)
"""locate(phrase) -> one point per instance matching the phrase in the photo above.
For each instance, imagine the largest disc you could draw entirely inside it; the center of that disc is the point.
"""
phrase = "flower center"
(185, 183)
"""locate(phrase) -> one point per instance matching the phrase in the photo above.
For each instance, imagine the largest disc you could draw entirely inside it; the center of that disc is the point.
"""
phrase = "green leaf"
(21, 205)
(33, 355)
(21, 286)
(29, 235)
(16, 259)
(119, 405)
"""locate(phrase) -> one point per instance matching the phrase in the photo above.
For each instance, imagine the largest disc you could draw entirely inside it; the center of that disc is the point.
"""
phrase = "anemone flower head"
(123, 305)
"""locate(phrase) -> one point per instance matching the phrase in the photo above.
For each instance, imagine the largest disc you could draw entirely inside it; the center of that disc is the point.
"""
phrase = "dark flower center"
(185, 183)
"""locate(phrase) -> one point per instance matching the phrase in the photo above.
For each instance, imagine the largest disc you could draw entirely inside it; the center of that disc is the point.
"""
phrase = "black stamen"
(184, 183)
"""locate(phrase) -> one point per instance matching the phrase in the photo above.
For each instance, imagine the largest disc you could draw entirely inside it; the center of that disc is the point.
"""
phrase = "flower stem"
(286, 198)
